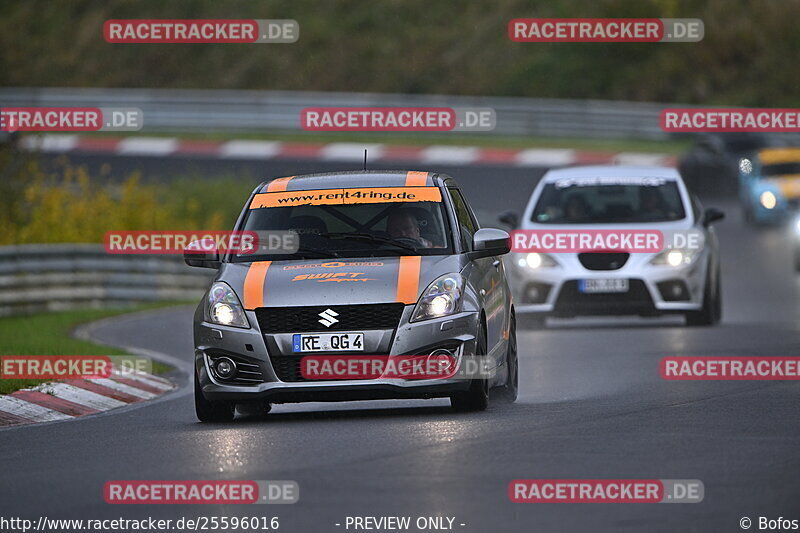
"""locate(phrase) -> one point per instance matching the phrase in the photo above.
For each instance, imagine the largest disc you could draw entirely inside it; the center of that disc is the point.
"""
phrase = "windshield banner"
(368, 195)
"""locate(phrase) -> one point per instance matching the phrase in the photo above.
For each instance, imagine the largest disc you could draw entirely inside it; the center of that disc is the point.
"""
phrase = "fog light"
(674, 291)
(225, 367)
(535, 293)
(442, 359)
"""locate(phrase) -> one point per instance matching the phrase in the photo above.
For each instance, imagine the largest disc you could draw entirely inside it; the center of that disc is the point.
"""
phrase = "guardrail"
(50, 277)
(227, 110)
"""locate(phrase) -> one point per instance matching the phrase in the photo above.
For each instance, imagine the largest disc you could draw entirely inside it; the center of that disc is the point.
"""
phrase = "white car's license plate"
(594, 286)
(328, 342)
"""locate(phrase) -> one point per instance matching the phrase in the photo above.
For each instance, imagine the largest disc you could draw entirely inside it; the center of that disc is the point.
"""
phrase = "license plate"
(595, 286)
(328, 342)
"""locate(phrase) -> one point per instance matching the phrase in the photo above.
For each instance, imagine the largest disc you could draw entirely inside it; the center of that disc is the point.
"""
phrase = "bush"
(70, 205)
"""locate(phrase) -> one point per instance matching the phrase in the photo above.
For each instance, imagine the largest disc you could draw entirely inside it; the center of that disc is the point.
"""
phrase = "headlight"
(675, 258)
(768, 200)
(224, 308)
(441, 298)
(536, 260)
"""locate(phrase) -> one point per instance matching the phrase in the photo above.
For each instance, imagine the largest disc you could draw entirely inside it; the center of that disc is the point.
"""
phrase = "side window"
(466, 224)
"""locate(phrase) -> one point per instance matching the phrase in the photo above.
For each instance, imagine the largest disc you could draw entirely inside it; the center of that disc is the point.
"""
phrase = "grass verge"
(51, 334)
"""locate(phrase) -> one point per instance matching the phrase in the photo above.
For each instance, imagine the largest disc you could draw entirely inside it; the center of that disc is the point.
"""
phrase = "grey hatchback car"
(385, 265)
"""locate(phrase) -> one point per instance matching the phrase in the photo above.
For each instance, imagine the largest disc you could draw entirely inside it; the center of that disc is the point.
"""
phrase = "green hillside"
(416, 46)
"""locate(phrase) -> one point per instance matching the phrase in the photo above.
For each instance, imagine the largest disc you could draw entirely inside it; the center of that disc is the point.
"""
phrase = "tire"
(258, 409)
(749, 218)
(711, 312)
(476, 398)
(208, 411)
(511, 388)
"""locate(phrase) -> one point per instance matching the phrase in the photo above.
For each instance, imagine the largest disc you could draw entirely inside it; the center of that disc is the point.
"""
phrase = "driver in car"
(402, 224)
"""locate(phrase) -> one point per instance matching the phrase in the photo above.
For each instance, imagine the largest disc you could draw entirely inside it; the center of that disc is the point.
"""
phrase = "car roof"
(771, 156)
(611, 171)
(356, 179)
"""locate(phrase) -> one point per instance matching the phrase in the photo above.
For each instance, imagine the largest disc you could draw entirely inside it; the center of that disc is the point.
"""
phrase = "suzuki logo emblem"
(328, 319)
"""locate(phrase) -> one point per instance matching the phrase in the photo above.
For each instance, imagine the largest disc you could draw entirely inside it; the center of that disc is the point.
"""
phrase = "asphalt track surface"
(592, 405)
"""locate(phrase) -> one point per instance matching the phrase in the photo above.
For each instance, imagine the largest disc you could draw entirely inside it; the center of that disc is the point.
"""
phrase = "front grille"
(349, 318)
(636, 301)
(603, 260)
(247, 372)
(287, 367)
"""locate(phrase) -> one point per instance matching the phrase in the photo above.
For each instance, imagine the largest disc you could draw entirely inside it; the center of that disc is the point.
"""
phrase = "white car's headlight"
(224, 308)
(675, 258)
(441, 298)
(536, 260)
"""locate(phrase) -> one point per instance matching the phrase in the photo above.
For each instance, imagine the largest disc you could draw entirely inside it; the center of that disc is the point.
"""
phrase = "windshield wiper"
(368, 237)
(323, 253)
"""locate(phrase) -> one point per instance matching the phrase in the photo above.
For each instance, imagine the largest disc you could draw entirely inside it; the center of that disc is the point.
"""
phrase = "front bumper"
(253, 348)
(653, 290)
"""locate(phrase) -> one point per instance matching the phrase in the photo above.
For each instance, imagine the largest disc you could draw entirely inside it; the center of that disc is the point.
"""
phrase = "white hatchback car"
(616, 282)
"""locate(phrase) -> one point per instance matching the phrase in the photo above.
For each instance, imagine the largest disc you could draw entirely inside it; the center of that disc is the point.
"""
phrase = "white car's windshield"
(781, 169)
(579, 203)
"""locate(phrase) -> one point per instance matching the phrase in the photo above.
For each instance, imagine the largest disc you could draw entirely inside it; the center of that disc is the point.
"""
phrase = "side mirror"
(711, 215)
(490, 241)
(202, 253)
(509, 218)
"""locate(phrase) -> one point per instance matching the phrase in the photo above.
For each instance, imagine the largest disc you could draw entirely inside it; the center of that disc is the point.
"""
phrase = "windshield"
(368, 227)
(781, 169)
(576, 202)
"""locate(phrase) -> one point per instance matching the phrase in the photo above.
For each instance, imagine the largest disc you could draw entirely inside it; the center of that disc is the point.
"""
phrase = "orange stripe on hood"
(279, 184)
(416, 179)
(408, 279)
(254, 284)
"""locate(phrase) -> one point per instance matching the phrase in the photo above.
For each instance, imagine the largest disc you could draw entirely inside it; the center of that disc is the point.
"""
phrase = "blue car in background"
(769, 185)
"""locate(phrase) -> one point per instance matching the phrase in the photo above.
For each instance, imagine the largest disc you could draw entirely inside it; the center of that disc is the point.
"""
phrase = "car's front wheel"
(476, 398)
(797, 258)
(208, 411)
(511, 388)
(711, 312)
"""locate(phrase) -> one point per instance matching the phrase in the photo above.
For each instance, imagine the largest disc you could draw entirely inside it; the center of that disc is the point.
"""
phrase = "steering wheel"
(409, 241)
